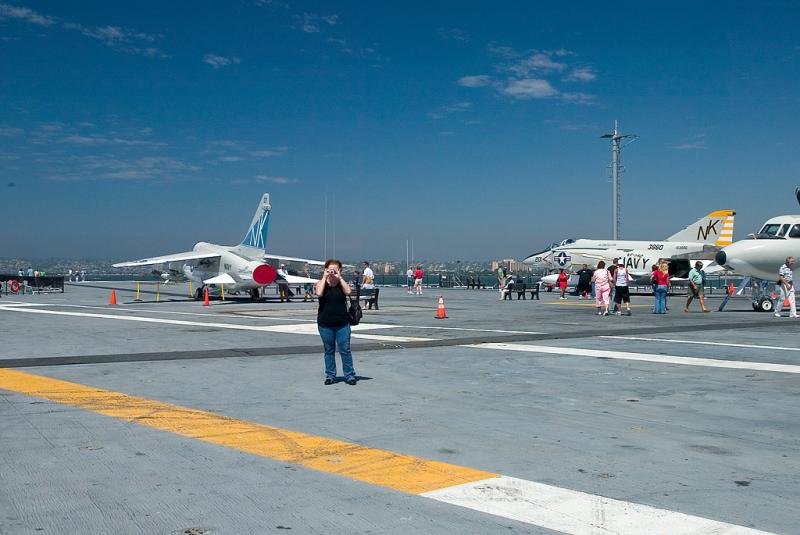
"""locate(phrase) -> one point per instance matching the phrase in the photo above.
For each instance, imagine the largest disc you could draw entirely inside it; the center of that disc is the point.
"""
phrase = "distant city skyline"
(133, 130)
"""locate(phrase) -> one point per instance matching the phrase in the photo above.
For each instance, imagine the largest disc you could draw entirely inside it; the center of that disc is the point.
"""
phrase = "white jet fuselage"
(232, 260)
(639, 256)
(762, 255)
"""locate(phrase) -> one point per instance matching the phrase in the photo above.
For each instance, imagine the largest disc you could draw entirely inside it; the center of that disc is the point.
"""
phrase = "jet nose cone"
(721, 258)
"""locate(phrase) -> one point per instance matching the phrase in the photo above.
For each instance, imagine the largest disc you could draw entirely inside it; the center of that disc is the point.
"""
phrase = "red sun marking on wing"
(264, 274)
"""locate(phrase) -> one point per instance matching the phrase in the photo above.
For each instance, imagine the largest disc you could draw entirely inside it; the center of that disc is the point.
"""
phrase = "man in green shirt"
(696, 279)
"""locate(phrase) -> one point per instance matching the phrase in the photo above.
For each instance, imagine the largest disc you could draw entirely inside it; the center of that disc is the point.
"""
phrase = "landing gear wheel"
(254, 295)
(766, 305)
(198, 294)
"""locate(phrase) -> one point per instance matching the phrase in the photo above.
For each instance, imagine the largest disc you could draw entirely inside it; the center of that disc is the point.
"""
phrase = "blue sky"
(132, 129)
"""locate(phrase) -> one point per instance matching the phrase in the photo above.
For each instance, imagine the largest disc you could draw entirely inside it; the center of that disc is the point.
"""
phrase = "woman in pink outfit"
(602, 288)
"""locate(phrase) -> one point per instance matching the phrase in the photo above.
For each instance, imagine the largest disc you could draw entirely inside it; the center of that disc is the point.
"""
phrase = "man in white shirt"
(368, 277)
(621, 290)
(410, 279)
(786, 287)
(283, 284)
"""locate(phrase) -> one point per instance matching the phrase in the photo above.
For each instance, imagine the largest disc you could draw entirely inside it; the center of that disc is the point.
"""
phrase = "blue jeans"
(331, 338)
(661, 300)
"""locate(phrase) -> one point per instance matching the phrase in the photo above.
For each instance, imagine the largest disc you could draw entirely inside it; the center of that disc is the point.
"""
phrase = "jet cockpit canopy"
(780, 228)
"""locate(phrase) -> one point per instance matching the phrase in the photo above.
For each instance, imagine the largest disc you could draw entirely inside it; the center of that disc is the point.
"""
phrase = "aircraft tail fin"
(257, 232)
(715, 228)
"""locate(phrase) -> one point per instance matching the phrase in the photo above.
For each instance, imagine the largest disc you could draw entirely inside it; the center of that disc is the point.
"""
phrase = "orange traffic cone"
(205, 299)
(786, 303)
(113, 300)
(440, 312)
(731, 290)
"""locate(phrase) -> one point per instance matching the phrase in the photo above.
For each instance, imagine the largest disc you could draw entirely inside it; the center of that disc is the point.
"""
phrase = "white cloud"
(25, 14)
(697, 142)
(453, 34)
(538, 62)
(480, 80)
(275, 4)
(220, 61)
(581, 74)
(121, 39)
(505, 52)
(230, 158)
(52, 127)
(10, 131)
(116, 37)
(275, 179)
(97, 140)
(311, 22)
(578, 98)
(444, 111)
(94, 167)
(269, 153)
(528, 88)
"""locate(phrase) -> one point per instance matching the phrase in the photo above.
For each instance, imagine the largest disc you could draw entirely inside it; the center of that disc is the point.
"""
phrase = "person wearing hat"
(621, 291)
(696, 276)
(283, 284)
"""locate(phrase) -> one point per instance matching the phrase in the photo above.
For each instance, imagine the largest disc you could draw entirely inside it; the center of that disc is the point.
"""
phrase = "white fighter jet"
(699, 241)
(761, 254)
(240, 268)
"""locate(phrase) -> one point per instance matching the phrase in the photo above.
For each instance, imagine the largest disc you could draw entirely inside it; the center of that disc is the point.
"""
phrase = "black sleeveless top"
(332, 310)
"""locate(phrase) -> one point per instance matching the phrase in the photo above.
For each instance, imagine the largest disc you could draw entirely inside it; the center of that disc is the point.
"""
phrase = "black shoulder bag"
(354, 310)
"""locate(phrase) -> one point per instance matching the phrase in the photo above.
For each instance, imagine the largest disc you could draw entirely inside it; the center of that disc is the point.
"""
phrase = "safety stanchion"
(191, 293)
(138, 292)
(222, 290)
(158, 292)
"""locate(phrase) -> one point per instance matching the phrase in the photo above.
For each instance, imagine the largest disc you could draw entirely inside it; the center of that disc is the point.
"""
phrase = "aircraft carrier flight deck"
(507, 417)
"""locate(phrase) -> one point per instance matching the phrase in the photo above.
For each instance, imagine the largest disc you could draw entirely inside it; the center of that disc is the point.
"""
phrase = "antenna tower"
(616, 170)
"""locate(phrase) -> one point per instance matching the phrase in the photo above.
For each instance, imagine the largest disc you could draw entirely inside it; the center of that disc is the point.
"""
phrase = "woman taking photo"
(333, 321)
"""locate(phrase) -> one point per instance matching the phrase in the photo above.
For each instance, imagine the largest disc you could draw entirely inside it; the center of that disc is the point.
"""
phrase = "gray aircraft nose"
(721, 258)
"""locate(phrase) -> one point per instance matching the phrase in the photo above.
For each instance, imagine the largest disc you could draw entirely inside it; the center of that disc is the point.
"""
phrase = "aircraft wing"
(293, 259)
(179, 257)
(294, 279)
(709, 252)
(220, 279)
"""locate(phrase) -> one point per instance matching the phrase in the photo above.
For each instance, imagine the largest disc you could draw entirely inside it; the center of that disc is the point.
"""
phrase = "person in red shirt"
(418, 280)
(660, 279)
(563, 279)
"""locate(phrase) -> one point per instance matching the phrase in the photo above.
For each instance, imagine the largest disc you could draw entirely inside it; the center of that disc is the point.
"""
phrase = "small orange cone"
(786, 303)
(113, 300)
(440, 312)
(731, 290)
(205, 299)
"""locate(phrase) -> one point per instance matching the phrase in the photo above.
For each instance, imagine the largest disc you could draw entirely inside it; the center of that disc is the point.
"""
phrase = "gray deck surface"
(712, 442)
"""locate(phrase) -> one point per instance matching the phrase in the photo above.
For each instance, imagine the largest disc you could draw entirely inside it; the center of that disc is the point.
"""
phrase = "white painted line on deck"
(645, 357)
(301, 328)
(577, 513)
(725, 344)
(154, 310)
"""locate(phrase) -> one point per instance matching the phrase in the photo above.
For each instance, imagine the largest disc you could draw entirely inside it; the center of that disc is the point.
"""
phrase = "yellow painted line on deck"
(569, 511)
(378, 467)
